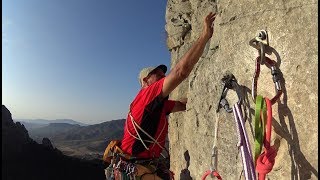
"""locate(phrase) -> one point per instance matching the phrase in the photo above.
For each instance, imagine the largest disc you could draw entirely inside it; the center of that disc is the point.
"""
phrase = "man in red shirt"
(146, 126)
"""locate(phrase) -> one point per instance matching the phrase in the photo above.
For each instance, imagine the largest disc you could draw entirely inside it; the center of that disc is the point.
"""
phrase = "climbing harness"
(263, 110)
(243, 141)
(123, 166)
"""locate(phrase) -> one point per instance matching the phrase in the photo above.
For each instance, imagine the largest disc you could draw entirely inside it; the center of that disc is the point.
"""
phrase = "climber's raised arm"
(183, 68)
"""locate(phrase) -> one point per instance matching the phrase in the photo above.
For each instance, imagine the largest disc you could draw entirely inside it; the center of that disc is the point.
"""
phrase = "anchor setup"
(262, 163)
(261, 42)
(263, 108)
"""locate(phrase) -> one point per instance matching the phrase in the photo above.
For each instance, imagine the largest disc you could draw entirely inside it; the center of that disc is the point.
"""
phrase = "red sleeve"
(169, 105)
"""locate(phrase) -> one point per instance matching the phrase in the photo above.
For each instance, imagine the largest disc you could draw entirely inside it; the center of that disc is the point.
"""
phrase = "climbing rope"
(243, 144)
(135, 126)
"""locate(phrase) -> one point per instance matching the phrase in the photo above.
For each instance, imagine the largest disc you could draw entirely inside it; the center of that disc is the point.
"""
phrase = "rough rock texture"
(292, 28)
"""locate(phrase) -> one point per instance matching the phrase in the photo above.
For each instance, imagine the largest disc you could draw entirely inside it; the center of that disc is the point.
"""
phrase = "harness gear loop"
(275, 77)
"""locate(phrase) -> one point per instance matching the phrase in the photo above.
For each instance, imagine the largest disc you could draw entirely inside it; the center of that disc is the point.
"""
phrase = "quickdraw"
(243, 143)
(229, 83)
(223, 103)
(214, 157)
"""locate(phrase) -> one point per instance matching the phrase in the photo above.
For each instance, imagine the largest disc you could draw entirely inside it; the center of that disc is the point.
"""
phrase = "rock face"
(292, 28)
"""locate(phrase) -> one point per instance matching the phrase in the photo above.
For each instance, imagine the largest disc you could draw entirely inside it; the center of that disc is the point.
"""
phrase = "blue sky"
(78, 59)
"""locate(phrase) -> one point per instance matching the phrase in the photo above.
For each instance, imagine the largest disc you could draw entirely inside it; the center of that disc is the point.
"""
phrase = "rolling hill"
(80, 141)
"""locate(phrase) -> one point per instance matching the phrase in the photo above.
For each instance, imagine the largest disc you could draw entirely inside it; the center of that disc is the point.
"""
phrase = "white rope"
(165, 123)
(216, 130)
(214, 147)
(135, 124)
(132, 121)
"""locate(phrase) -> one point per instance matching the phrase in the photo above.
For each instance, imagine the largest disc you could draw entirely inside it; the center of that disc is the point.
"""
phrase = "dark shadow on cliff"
(248, 112)
(185, 173)
(300, 166)
(23, 158)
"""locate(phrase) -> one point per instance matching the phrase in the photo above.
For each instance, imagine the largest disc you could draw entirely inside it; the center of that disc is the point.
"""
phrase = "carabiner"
(275, 77)
(230, 82)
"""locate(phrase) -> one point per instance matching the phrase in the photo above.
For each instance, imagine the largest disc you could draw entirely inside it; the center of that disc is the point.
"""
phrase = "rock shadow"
(185, 173)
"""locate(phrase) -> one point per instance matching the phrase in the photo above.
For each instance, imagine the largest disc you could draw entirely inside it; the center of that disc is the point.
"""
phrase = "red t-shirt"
(149, 111)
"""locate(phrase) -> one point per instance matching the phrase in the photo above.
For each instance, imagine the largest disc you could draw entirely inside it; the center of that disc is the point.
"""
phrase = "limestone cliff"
(292, 28)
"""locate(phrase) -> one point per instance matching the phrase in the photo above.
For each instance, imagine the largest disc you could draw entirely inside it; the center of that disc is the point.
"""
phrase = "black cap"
(162, 67)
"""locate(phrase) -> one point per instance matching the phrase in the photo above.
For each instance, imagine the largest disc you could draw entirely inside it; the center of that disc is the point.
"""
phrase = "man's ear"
(145, 80)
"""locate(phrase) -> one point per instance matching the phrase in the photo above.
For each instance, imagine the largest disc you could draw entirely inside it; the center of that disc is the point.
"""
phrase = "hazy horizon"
(50, 120)
(77, 59)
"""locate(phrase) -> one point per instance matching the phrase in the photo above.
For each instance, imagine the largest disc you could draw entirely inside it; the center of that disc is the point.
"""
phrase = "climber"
(146, 126)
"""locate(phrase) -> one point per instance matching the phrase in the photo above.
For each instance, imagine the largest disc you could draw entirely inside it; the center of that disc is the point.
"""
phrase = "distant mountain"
(29, 125)
(51, 130)
(45, 121)
(106, 130)
(81, 141)
(89, 141)
(23, 158)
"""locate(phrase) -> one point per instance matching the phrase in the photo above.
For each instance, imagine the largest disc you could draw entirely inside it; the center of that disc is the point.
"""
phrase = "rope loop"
(213, 173)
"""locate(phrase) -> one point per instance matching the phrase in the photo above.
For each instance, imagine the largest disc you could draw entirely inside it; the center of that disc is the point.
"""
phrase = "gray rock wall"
(292, 28)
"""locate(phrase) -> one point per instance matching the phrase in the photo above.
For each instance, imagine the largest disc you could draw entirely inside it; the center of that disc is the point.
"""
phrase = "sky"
(78, 59)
